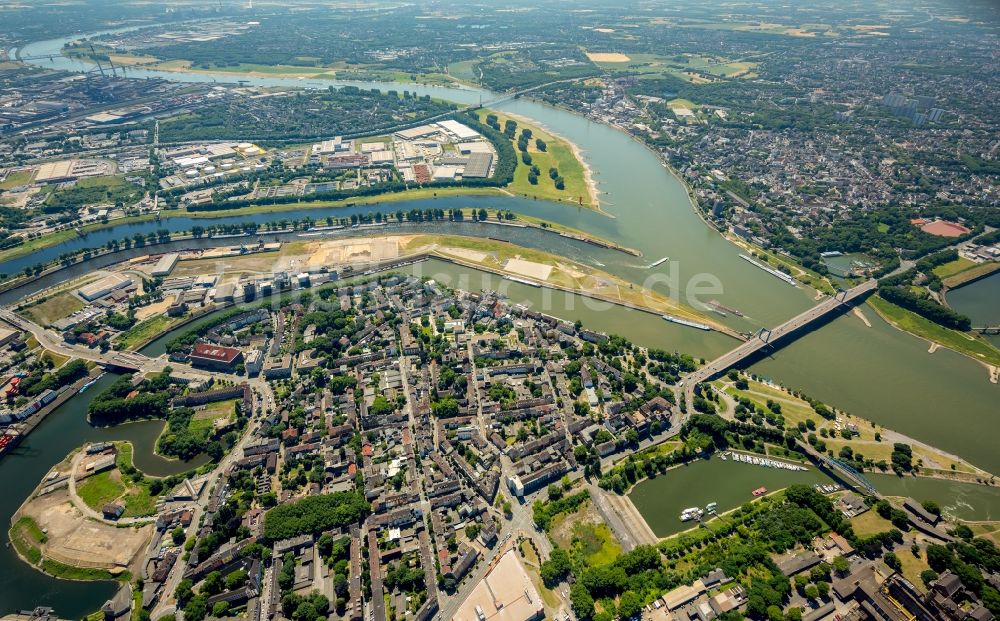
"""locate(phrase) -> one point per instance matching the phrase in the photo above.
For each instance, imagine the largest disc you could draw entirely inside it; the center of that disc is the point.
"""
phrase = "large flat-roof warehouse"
(165, 265)
(458, 130)
(104, 286)
(478, 165)
(504, 594)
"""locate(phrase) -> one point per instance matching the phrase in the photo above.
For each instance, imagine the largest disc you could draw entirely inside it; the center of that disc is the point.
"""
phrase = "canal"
(980, 300)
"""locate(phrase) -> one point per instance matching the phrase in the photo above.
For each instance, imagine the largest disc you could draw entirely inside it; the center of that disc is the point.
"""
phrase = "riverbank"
(555, 143)
(59, 237)
(969, 276)
(54, 535)
(845, 435)
(343, 72)
(538, 268)
(906, 321)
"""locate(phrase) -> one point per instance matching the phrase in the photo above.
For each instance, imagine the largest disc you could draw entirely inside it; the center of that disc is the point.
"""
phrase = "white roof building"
(458, 130)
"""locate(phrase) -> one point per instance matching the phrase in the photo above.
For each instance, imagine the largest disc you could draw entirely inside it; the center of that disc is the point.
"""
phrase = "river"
(877, 373)
(63, 430)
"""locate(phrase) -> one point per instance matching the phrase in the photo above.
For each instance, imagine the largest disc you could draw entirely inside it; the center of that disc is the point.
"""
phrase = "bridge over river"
(765, 338)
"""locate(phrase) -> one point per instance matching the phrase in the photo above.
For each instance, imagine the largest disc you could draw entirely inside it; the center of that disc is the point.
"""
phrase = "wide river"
(878, 372)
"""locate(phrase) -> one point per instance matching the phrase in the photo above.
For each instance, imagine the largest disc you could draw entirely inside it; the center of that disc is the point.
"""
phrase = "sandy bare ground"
(860, 315)
(152, 310)
(633, 520)
(76, 540)
(608, 57)
(465, 253)
(340, 251)
(538, 271)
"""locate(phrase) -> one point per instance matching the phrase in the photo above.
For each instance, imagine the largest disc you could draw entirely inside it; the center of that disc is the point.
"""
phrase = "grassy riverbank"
(967, 344)
(871, 442)
(963, 271)
(560, 154)
(145, 331)
(336, 71)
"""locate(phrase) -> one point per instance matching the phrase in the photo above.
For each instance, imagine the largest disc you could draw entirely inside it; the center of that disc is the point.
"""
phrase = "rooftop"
(214, 352)
(505, 594)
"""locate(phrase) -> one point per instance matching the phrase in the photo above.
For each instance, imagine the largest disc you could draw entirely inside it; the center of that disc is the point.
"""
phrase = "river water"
(660, 500)
(877, 373)
(980, 300)
(63, 430)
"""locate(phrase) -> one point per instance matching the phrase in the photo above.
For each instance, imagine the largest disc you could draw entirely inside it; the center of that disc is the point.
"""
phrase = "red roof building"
(208, 356)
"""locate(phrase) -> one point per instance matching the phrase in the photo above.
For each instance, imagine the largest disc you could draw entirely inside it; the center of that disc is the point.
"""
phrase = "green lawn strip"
(558, 154)
(25, 549)
(68, 572)
(53, 309)
(99, 489)
(139, 502)
(953, 267)
(924, 328)
(26, 537)
(124, 457)
(142, 332)
(596, 543)
(972, 273)
(15, 179)
(29, 527)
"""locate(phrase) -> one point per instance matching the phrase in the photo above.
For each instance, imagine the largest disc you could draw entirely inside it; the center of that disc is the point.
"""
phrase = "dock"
(770, 270)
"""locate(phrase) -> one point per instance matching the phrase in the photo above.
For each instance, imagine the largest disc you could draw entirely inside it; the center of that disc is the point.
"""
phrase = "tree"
(555, 568)
(220, 609)
(555, 492)
(236, 579)
(824, 588)
(892, 561)
(197, 608)
(629, 605)
(184, 591)
(928, 576)
(212, 584)
(841, 565)
(812, 592)
(582, 602)
(939, 557)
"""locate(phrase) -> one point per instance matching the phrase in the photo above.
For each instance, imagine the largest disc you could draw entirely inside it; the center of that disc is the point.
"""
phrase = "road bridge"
(842, 471)
(765, 338)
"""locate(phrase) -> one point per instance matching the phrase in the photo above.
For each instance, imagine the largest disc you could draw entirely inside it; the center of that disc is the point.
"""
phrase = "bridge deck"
(727, 360)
